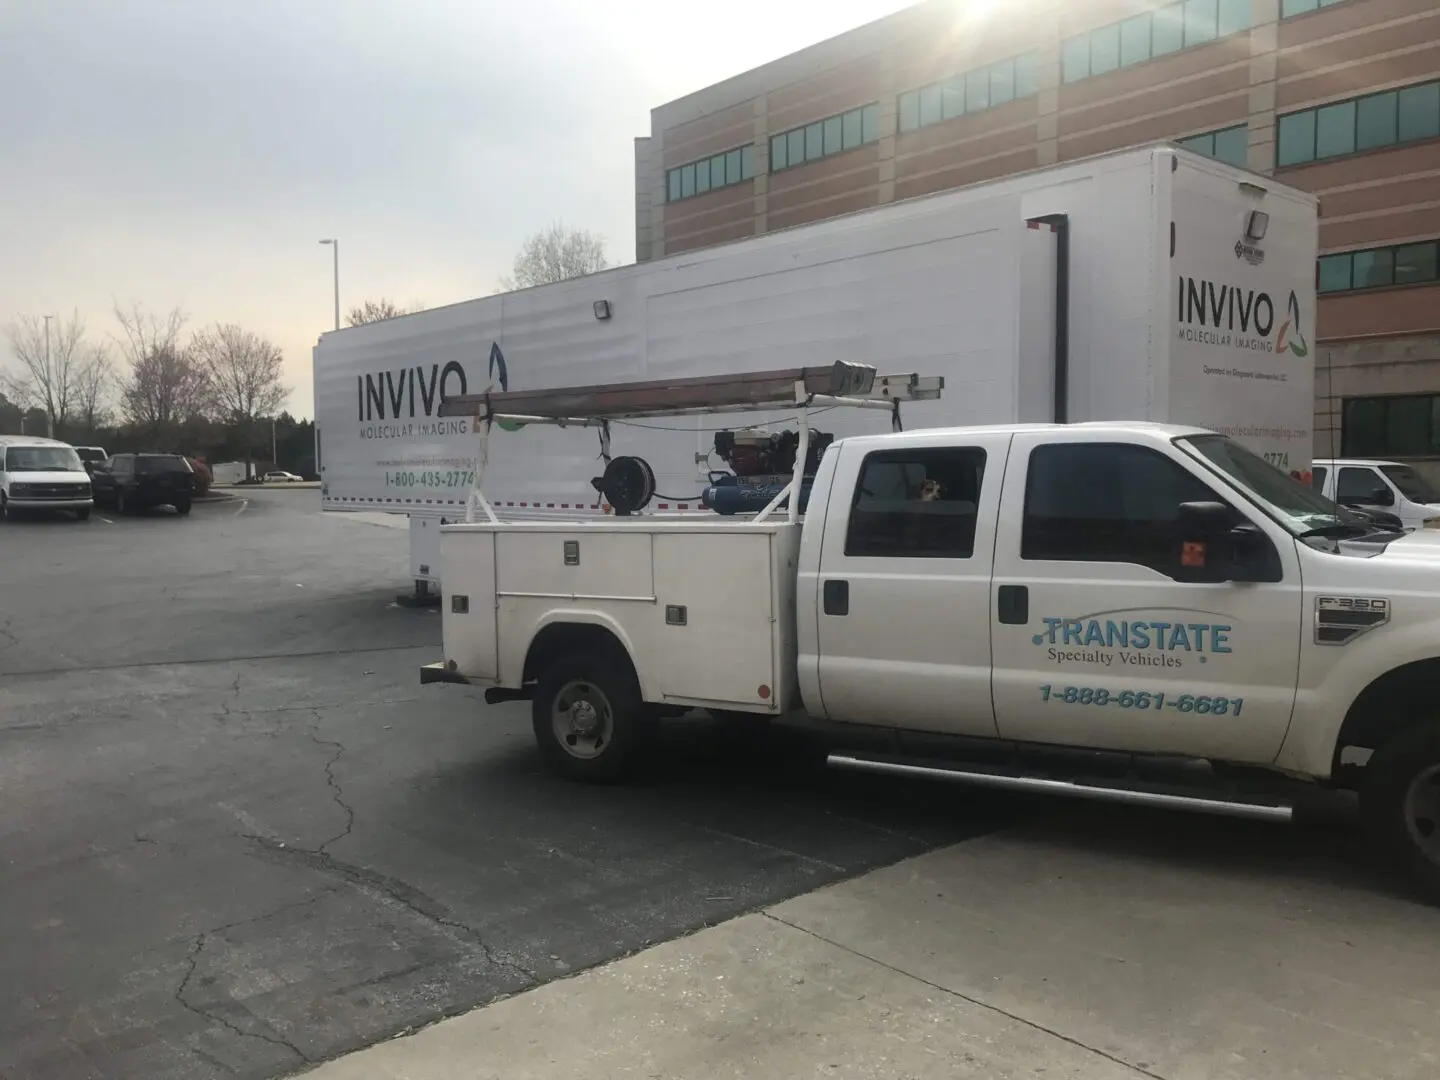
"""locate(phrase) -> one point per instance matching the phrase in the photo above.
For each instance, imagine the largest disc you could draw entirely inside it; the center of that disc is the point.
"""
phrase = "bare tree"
(94, 384)
(244, 372)
(556, 254)
(378, 311)
(145, 333)
(48, 365)
(165, 387)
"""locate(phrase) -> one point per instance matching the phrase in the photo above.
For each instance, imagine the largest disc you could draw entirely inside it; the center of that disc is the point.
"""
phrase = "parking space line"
(244, 503)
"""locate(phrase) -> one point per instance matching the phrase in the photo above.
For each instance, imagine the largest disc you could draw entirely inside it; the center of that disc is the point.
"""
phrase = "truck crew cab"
(1155, 592)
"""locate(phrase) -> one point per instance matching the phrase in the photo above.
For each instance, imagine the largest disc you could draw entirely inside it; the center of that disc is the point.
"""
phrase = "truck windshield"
(1300, 508)
(1411, 484)
(42, 459)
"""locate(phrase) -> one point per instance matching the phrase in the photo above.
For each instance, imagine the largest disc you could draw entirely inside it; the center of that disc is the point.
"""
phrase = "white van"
(42, 474)
(1383, 487)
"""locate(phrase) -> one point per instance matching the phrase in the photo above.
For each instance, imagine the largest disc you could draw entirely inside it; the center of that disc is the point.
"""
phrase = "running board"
(1259, 811)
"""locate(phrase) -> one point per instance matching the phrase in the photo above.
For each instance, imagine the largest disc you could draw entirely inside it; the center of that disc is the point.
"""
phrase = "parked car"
(1391, 488)
(41, 474)
(133, 482)
(90, 456)
(278, 477)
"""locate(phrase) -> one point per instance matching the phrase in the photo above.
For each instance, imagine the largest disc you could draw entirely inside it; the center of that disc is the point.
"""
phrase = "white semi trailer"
(1149, 284)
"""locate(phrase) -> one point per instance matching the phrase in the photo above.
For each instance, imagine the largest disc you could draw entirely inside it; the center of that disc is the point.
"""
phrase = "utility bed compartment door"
(724, 587)
(468, 602)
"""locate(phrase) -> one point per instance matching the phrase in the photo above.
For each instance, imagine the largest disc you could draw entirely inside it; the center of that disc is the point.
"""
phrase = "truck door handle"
(1012, 606)
(837, 597)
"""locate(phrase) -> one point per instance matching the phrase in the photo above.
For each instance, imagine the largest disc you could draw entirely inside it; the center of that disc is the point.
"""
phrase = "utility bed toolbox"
(705, 608)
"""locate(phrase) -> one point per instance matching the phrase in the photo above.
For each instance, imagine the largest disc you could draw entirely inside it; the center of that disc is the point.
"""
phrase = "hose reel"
(628, 484)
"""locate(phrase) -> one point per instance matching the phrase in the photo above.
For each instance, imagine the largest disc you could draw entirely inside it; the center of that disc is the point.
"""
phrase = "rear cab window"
(917, 503)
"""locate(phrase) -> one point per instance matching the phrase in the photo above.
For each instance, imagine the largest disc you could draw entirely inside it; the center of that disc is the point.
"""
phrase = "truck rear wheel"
(587, 715)
(1400, 800)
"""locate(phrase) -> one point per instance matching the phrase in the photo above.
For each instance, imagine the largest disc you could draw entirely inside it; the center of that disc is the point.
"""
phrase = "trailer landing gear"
(422, 597)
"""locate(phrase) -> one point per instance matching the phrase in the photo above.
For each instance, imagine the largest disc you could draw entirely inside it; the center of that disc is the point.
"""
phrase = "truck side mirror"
(1207, 548)
(1381, 496)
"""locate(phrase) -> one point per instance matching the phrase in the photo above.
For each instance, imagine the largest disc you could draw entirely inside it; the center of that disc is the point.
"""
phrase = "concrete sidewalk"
(1093, 945)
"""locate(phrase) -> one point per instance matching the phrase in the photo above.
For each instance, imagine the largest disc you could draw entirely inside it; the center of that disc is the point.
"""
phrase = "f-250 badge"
(1341, 619)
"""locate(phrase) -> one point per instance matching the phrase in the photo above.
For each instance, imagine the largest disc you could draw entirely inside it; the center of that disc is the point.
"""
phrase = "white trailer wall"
(955, 284)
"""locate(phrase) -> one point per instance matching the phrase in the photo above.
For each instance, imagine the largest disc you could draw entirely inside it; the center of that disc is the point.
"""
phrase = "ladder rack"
(840, 385)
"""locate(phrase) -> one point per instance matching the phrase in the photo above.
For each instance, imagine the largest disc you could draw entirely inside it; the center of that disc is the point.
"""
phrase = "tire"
(1400, 803)
(83, 514)
(587, 716)
(182, 507)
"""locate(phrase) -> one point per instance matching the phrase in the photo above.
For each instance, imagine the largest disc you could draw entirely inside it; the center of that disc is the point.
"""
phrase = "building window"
(1407, 426)
(1392, 118)
(1155, 33)
(969, 92)
(1230, 145)
(722, 170)
(1290, 8)
(1376, 268)
(917, 504)
(832, 135)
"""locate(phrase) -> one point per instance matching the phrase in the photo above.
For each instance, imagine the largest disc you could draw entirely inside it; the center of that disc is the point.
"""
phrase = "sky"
(191, 153)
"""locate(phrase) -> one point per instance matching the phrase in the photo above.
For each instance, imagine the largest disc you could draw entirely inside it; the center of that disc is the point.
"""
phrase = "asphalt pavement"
(239, 837)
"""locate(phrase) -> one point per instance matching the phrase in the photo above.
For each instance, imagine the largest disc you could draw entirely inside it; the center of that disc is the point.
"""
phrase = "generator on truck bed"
(1148, 284)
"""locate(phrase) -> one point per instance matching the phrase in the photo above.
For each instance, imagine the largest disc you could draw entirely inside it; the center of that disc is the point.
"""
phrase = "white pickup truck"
(1154, 591)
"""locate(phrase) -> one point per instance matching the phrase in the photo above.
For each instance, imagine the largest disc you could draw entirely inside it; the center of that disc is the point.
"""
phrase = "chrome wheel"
(1422, 812)
(582, 719)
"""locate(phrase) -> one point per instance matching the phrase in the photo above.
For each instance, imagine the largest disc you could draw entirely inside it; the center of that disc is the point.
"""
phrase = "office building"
(1338, 97)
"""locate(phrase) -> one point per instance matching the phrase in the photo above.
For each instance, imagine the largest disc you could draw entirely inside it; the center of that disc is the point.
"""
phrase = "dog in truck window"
(930, 490)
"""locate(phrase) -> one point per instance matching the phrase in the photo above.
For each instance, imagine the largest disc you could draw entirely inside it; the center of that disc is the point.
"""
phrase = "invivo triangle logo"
(1290, 337)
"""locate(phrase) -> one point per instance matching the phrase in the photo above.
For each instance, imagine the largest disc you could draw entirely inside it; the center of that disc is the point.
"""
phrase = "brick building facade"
(1339, 97)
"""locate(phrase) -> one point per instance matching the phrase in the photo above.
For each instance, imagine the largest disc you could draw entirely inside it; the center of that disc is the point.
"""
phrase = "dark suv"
(132, 482)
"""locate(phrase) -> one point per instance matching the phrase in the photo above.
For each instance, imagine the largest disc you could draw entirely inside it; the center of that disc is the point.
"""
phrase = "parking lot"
(238, 837)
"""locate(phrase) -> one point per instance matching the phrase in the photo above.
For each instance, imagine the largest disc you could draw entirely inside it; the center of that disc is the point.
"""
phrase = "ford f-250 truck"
(1152, 591)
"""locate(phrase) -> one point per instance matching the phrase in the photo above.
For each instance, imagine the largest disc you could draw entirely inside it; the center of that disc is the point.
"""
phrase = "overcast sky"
(192, 152)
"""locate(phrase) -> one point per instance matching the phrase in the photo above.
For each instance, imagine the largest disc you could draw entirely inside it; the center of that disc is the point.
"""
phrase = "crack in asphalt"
(10, 639)
(400, 892)
(197, 947)
(337, 793)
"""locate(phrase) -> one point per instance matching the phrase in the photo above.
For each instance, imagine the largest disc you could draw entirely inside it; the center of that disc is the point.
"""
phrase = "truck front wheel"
(1400, 800)
(587, 715)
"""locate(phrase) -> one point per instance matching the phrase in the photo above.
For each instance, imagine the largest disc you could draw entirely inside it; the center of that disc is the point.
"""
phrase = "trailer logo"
(1249, 252)
(497, 367)
(1229, 316)
(1290, 339)
(406, 389)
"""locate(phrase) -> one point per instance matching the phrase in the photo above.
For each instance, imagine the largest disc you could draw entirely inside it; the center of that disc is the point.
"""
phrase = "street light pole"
(274, 452)
(335, 249)
(49, 381)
